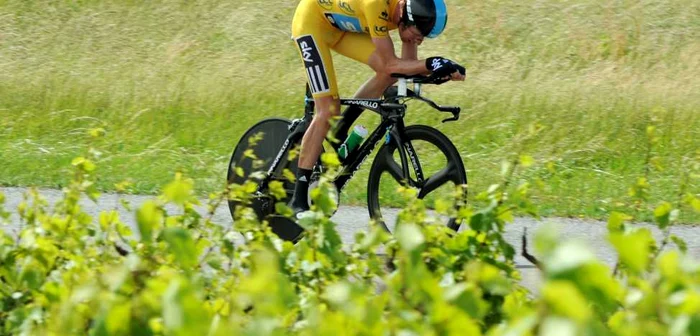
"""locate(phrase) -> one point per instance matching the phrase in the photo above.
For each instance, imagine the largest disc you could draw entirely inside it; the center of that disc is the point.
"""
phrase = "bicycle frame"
(392, 125)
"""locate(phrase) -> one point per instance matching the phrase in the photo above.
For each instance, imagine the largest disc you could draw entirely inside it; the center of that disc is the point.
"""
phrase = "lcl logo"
(345, 7)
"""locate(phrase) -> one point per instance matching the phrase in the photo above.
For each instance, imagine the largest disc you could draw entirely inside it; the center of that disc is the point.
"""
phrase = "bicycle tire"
(456, 172)
(274, 133)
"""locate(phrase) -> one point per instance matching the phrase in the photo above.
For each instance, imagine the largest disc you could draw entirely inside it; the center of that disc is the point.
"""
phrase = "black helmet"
(429, 16)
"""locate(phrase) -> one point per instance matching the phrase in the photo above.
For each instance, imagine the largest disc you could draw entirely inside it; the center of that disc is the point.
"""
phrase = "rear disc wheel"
(264, 139)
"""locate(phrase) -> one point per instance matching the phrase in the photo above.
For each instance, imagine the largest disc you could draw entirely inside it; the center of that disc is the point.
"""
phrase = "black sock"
(301, 190)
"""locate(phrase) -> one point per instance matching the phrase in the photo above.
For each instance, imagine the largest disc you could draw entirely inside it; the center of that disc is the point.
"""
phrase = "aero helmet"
(429, 16)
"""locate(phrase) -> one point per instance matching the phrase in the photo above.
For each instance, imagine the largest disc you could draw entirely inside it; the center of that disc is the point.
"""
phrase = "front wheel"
(443, 175)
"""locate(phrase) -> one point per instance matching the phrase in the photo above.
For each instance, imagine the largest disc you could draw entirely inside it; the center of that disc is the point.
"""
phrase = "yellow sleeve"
(377, 16)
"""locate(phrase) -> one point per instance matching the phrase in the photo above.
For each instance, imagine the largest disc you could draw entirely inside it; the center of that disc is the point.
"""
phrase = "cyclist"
(359, 29)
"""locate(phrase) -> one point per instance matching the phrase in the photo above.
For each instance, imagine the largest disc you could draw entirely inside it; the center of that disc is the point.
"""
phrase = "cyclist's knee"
(327, 107)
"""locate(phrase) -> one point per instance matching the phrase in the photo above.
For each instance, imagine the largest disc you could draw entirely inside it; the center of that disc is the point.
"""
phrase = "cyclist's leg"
(361, 48)
(313, 42)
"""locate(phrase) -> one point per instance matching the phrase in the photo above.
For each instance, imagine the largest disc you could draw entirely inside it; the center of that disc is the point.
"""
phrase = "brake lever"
(455, 110)
(455, 117)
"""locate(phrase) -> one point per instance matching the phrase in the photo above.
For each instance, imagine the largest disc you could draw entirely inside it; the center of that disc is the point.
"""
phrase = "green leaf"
(324, 199)
(148, 218)
(662, 214)
(682, 246)
(118, 319)
(288, 175)
(568, 256)
(107, 218)
(281, 208)
(332, 242)
(479, 222)
(506, 216)
(277, 190)
(557, 326)
(181, 246)
(669, 264)
(491, 279)
(616, 221)
(409, 236)
(338, 293)
(566, 300)
(695, 203)
(180, 190)
(468, 298)
(32, 274)
(115, 277)
(633, 248)
(249, 153)
(443, 206)
(183, 312)
(330, 159)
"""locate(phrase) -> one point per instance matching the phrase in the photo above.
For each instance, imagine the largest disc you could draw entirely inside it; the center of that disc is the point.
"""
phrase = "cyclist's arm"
(409, 51)
(385, 61)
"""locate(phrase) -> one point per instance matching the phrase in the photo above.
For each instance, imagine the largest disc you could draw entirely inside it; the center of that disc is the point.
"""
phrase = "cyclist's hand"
(445, 69)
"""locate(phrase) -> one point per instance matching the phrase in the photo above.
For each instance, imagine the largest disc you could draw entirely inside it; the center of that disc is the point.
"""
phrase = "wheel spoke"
(389, 165)
(437, 180)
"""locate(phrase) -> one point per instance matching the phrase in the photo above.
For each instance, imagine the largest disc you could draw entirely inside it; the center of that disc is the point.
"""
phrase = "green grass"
(176, 83)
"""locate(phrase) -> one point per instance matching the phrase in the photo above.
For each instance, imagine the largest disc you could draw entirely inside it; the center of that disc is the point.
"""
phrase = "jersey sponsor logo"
(325, 4)
(384, 16)
(365, 103)
(315, 70)
(344, 22)
(306, 51)
(381, 30)
(345, 7)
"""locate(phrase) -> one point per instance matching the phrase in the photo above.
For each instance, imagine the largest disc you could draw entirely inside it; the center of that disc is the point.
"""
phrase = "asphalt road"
(352, 219)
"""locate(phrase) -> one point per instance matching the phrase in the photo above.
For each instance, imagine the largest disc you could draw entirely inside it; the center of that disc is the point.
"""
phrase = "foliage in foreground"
(179, 273)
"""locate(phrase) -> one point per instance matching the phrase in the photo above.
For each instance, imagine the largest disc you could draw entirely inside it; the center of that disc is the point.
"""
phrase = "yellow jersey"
(345, 26)
(359, 16)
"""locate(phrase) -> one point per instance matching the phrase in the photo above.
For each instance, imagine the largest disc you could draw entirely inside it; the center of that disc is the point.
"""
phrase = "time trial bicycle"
(415, 156)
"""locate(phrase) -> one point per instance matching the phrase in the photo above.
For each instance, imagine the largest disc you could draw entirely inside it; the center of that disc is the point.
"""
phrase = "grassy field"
(175, 83)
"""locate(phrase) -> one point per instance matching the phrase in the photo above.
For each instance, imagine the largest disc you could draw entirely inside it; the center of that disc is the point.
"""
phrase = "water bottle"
(358, 134)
